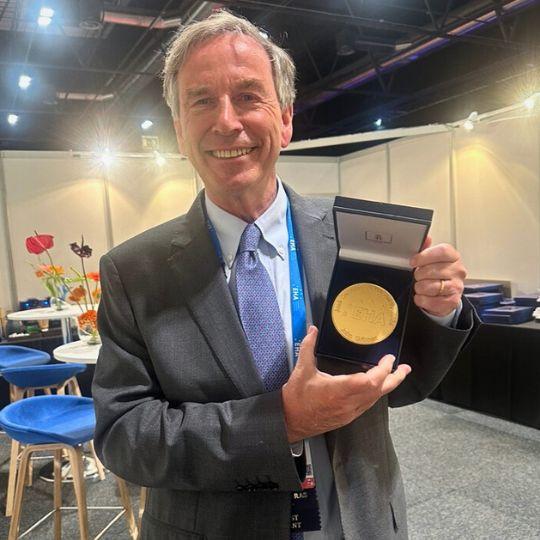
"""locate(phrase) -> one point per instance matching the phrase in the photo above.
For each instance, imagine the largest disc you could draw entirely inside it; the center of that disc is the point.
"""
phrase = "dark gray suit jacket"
(181, 408)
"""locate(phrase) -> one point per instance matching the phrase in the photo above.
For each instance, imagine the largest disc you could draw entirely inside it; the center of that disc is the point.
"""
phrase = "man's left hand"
(439, 275)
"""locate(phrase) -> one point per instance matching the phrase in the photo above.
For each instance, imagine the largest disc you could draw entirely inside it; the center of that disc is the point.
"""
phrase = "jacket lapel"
(314, 230)
(206, 292)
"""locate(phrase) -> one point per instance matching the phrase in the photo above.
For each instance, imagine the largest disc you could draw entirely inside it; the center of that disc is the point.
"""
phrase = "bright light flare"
(378, 122)
(146, 124)
(12, 119)
(160, 160)
(45, 16)
(531, 101)
(46, 11)
(106, 157)
(469, 123)
(24, 82)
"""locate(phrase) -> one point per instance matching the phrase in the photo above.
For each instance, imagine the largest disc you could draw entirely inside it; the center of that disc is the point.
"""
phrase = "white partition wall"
(498, 201)
(364, 174)
(317, 176)
(420, 176)
(143, 194)
(52, 193)
(484, 186)
(68, 194)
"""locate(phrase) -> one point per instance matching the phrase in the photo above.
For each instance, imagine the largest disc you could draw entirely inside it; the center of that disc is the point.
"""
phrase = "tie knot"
(249, 241)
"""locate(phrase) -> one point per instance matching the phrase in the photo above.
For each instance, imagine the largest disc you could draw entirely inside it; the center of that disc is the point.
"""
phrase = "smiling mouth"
(232, 153)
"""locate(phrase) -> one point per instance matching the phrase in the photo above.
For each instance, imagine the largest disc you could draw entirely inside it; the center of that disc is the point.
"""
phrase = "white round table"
(71, 310)
(77, 351)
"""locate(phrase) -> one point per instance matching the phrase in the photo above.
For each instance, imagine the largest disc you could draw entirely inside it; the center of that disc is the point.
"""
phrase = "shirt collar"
(229, 228)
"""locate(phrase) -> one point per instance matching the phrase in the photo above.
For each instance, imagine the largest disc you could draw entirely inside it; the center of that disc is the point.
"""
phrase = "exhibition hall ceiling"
(83, 75)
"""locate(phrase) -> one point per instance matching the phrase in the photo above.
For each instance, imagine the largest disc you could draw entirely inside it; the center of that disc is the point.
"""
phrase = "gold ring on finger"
(441, 288)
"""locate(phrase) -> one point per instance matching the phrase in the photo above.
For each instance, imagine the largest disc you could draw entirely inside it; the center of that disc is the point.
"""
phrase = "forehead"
(231, 55)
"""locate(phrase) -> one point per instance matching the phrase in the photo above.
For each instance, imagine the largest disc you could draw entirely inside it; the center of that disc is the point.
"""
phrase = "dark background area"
(95, 67)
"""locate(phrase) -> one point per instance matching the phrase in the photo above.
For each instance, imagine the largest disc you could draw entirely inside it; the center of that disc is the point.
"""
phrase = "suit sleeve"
(236, 445)
(430, 349)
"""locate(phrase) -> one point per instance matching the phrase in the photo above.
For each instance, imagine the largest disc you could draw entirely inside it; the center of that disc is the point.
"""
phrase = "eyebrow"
(244, 84)
(251, 84)
(199, 91)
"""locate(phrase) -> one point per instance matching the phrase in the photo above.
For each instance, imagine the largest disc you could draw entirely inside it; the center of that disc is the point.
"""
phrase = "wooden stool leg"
(73, 387)
(76, 461)
(57, 494)
(126, 503)
(99, 465)
(16, 517)
(142, 504)
(12, 478)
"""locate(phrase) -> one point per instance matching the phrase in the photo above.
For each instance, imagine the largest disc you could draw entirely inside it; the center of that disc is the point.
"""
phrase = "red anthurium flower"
(38, 243)
(94, 276)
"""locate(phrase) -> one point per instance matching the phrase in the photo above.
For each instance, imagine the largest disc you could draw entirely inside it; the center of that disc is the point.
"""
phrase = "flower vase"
(87, 327)
(57, 303)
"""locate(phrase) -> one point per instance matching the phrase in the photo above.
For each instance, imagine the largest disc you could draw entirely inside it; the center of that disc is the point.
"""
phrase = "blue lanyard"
(298, 305)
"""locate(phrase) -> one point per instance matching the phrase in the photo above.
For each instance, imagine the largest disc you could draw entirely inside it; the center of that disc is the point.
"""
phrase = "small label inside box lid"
(380, 240)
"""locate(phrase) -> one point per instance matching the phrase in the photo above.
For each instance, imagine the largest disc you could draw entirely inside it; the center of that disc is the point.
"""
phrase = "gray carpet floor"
(467, 476)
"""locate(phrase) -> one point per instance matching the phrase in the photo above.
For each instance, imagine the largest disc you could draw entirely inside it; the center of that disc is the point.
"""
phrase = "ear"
(286, 126)
(179, 135)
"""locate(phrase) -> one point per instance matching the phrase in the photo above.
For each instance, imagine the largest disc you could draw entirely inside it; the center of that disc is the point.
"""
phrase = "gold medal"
(364, 313)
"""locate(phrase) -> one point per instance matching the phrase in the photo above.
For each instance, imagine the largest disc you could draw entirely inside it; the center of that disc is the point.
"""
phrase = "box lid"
(379, 233)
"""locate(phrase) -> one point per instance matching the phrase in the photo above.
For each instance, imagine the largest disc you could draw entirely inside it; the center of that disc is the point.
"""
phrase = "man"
(190, 394)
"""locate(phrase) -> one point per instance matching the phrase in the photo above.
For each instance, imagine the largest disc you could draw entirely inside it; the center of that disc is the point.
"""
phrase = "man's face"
(231, 125)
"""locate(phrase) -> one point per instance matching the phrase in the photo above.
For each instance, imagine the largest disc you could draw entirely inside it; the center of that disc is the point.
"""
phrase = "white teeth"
(235, 152)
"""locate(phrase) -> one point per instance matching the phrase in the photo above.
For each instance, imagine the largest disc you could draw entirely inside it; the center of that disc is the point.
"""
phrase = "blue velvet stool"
(56, 423)
(15, 356)
(23, 381)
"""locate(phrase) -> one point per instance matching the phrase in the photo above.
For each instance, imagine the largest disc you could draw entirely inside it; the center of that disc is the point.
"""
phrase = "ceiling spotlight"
(24, 81)
(378, 122)
(530, 102)
(345, 41)
(12, 119)
(469, 123)
(45, 16)
(160, 160)
(46, 11)
(147, 124)
(106, 157)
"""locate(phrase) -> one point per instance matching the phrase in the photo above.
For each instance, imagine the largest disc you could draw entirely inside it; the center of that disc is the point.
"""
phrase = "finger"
(434, 254)
(377, 374)
(393, 380)
(434, 287)
(427, 243)
(306, 357)
(440, 270)
(358, 382)
(439, 305)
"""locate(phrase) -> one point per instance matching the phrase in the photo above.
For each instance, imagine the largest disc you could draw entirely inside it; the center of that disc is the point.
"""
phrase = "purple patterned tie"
(259, 312)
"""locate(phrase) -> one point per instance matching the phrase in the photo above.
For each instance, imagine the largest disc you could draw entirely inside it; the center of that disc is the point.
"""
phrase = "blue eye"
(247, 97)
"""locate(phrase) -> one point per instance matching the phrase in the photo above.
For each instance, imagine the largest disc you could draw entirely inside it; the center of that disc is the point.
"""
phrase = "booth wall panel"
(143, 195)
(364, 174)
(52, 193)
(5, 252)
(497, 201)
(317, 176)
(420, 176)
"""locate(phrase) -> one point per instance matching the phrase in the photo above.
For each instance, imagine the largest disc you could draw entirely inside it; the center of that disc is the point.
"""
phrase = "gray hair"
(223, 22)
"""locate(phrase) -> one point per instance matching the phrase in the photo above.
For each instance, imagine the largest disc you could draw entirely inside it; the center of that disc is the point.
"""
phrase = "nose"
(227, 120)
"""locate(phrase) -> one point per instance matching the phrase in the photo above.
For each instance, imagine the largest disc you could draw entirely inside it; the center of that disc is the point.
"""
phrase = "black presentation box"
(375, 243)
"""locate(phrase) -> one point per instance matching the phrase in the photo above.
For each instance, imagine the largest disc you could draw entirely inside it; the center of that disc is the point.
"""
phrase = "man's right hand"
(315, 402)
